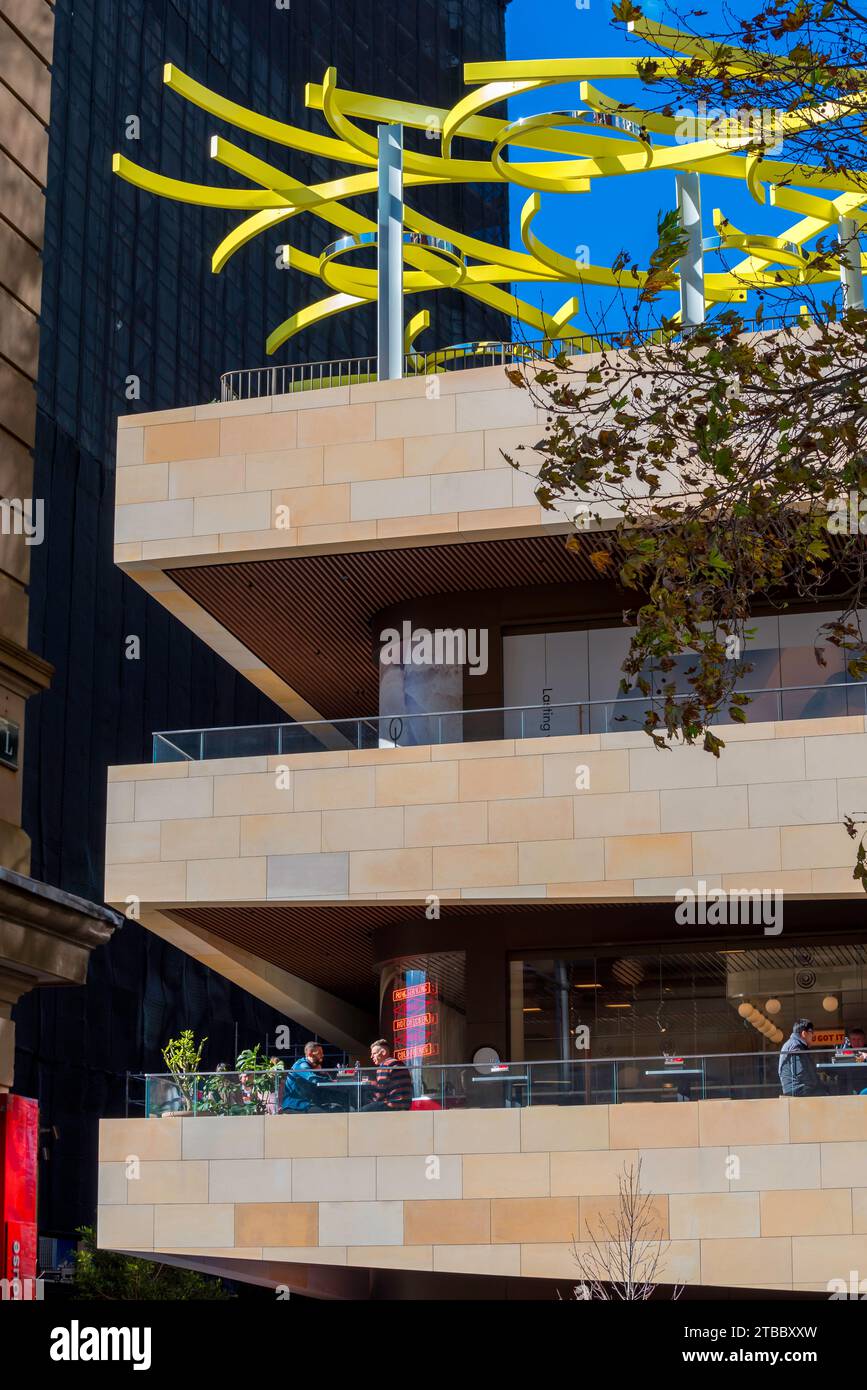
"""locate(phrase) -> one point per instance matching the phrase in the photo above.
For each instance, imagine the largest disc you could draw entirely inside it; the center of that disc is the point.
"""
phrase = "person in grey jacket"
(798, 1074)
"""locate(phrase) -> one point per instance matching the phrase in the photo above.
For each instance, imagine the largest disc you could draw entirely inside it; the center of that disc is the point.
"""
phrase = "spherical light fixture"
(772, 1006)
(830, 1003)
(745, 1010)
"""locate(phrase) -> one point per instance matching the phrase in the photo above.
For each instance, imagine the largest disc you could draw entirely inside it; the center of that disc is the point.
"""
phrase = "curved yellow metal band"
(565, 178)
(482, 128)
(768, 248)
(444, 273)
(434, 167)
(431, 120)
(322, 200)
(819, 213)
(564, 313)
(561, 265)
(197, 194)
(245, 231)
(340, 124)
(284, 186)
(576, 147)
(414, 329)
(545, 70)
(740, 59)
(651, 120)
(752, 166)
(518, 308)
(306, 318)
(485, 251)
(527, 176)
(265, 126)
(474, 103)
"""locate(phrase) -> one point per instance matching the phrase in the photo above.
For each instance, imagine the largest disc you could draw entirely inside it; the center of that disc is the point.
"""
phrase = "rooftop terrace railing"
(252, 382)
(607, 1081)
(483, 725)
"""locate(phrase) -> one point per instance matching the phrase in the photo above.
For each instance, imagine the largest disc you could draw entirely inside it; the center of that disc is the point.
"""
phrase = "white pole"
(692, 304)
(850, 264)
(390, 254)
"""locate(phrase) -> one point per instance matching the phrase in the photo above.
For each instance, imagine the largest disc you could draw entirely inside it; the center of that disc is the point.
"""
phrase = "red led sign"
(409, 1054)
(413, 991)
(427, 1020)
(415, 1024)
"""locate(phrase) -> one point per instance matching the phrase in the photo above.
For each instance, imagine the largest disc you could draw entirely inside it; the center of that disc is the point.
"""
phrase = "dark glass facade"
(128, 291)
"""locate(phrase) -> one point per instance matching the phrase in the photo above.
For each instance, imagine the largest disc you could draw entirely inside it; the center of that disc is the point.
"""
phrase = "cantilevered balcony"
(283, 530)
(279, 869)
(741, 1193)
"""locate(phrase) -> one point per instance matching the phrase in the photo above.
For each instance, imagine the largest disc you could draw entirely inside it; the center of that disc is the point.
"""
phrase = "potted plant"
(259, 1081)
(183, 1059)
(221, 1093)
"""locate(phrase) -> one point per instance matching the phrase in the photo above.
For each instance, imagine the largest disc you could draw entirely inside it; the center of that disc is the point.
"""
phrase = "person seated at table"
(300, 1086)
(393, 1083)
(797, 1069)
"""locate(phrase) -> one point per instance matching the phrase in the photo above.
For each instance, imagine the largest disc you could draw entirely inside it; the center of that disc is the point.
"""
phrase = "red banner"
(19, 1146)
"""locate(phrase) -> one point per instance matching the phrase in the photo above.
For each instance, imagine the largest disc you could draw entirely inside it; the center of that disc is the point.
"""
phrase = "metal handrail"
(250, 383)
(376, 721)
(539, 1062)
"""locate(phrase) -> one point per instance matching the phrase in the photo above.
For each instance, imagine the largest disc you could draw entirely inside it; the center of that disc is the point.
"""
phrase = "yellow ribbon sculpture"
(604, 139)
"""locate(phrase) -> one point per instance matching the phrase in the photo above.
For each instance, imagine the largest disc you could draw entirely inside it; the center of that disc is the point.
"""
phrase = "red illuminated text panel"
(414, 991)
(410, 1054)
(427, 1020)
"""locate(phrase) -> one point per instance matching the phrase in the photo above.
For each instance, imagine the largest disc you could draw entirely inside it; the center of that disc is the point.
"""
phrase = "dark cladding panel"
(128, 290)
(128, 286)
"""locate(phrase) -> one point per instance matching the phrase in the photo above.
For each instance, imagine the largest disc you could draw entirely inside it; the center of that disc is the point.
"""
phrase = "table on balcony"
(853, 1084)
(509, 1081)
(343, 1091)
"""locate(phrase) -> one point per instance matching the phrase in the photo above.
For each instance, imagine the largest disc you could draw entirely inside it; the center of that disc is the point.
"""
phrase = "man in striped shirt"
(393, 1084)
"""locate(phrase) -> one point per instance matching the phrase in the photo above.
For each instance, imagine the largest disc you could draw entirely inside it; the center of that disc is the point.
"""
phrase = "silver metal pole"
(850, 264)
(692, 305)
(390, 254)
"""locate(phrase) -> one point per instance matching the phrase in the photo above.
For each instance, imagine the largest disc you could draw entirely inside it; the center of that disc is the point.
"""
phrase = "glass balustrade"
(603, 1081)
(483, 725)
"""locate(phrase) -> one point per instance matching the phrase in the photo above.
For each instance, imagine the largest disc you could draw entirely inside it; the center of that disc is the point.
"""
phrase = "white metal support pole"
(692, 304)
(850, 264)
(390, 254)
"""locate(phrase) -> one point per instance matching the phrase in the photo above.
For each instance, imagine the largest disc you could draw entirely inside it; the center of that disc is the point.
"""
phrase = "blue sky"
(619, 213)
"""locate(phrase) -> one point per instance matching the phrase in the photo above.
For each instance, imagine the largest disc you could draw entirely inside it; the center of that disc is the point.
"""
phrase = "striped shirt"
(393, 1085)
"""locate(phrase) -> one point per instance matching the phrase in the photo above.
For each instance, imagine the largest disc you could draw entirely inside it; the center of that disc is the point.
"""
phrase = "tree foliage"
(108, 1275)
(713, 472)
(789, 57)
(721, 455)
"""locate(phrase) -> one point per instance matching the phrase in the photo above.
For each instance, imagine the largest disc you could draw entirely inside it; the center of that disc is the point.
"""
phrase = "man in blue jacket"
(302, 1081)
(798, 1074)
